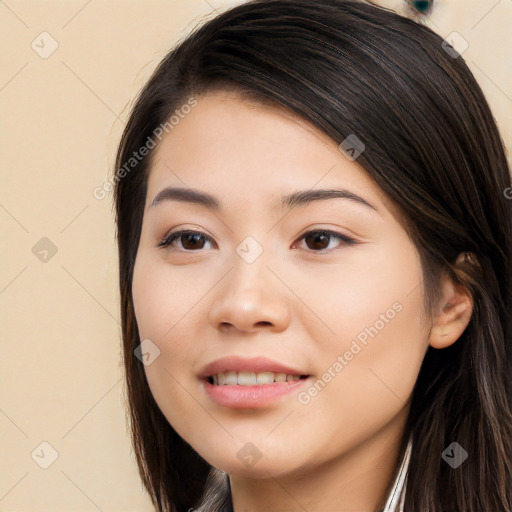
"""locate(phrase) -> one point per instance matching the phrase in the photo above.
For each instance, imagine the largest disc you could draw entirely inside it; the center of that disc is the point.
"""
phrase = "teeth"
(266, 378)
(250, 378)
(231, 379)
(246, 379)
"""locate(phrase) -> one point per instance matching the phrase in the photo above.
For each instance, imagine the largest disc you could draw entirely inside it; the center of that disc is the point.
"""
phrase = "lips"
(241, 364)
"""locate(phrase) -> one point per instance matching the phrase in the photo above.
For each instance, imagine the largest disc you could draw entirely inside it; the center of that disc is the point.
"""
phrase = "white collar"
(396, 498)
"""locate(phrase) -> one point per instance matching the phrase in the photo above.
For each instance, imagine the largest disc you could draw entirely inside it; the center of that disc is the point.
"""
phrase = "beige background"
(61, 119)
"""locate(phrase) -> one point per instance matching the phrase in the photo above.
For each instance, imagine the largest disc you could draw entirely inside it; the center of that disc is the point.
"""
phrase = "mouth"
(248, 390)
(233, 378)
(248, 383)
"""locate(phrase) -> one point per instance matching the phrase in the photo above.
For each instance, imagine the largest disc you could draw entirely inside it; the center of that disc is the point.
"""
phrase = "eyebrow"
(292, 200)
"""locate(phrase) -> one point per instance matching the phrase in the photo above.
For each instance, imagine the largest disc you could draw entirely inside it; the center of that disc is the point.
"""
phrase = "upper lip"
(241, 364)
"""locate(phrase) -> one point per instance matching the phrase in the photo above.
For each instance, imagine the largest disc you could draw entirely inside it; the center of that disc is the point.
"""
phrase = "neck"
(357, 480)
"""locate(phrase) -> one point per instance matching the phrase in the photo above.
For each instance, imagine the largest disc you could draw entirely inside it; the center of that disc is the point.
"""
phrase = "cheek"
(164, 310)
(371, 308)
(363, 385)
(369, 294)
(160, 299)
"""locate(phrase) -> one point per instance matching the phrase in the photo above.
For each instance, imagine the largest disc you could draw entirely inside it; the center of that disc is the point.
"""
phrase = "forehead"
(236, 148)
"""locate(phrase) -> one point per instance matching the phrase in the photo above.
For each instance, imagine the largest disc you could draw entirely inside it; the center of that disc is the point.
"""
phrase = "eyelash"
(169, 239)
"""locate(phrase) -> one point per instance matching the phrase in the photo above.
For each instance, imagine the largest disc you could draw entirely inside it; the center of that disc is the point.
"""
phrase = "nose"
(250, 298)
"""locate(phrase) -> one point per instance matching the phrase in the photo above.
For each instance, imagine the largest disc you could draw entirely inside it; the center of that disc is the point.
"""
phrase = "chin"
(256, 460)
(262, 469)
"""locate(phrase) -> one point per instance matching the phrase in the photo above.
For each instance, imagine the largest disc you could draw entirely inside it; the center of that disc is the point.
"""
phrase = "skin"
(298, 303)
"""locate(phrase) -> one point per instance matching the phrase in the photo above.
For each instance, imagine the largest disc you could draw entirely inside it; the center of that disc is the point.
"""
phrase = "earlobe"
(455, 312)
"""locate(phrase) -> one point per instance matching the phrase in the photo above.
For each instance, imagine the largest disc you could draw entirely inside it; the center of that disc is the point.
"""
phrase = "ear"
(454, 313)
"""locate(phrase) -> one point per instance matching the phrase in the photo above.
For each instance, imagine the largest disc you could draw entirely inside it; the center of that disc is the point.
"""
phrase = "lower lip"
(251, 397)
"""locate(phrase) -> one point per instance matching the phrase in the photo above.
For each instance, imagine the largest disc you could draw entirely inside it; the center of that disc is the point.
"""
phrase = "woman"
(314, 245)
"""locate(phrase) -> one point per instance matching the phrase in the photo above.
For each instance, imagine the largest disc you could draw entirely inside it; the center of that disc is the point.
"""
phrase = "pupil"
(315, 238)
(194, 237)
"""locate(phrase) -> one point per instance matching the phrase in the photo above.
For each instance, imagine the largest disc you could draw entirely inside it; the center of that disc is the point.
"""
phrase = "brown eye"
(190, 240)
(316, 241)
(319, 240)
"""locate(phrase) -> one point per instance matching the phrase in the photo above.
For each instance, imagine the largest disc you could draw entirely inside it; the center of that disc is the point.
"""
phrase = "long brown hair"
(433, 146)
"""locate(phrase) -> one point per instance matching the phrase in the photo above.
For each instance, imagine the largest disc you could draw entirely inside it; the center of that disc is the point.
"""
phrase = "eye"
(191, 241)
(316, 240)
(319, 240)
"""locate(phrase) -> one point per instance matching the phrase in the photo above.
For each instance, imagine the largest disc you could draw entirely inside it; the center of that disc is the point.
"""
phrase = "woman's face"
(260, 281)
